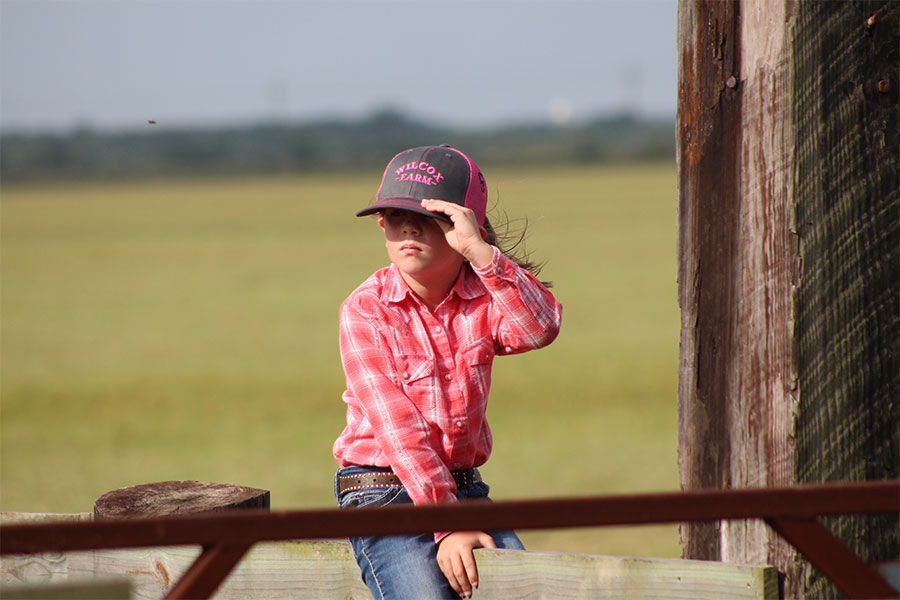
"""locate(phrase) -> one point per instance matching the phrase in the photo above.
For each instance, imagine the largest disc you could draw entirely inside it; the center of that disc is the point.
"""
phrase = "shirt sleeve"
(405, 437)
(525, 315)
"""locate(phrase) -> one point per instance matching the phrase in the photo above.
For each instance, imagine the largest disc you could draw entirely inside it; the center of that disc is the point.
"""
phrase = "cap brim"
(410, 204)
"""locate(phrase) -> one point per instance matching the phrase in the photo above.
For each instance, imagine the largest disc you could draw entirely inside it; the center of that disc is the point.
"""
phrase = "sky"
(120, 64)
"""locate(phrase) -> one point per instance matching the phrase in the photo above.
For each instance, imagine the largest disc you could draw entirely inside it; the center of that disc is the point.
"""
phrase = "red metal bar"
(250, 526)
(833, 558)
(204, 576)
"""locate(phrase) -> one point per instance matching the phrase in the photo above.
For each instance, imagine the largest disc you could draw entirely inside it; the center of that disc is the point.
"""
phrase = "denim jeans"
(404, 567)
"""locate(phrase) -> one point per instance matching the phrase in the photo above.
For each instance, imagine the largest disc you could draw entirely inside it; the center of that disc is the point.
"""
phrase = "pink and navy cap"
(438, 172)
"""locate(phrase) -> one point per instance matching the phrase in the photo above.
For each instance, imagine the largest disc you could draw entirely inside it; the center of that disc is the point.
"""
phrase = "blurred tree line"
(319, 146)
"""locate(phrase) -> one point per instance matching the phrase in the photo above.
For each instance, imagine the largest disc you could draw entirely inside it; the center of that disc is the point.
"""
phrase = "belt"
(360, 481)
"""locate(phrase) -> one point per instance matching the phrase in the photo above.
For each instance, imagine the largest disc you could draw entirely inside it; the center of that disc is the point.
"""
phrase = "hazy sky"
(116, 64)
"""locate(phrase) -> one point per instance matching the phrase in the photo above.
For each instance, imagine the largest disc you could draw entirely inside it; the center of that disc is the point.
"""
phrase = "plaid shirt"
(417, 382)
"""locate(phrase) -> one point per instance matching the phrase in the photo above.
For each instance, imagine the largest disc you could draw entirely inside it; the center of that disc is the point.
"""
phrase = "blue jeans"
(404, 567)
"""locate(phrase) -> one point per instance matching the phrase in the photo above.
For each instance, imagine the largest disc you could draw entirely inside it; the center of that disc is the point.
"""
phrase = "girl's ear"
(381, 221)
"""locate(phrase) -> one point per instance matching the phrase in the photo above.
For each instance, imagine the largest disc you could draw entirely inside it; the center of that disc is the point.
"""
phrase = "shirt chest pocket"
(477, 361)
(416, 374)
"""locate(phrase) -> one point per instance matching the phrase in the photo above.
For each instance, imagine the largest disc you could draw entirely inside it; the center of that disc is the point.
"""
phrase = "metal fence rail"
(226, 537)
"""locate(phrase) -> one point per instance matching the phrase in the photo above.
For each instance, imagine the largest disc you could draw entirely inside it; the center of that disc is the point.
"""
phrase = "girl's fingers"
(462, 218)
(461, 571)
(471, 571)
(451, 209)
(444, 225)
(450, 573)
(463, 233)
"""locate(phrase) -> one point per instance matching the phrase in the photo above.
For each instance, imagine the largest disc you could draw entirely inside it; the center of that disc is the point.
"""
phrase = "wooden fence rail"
(226, 537)
(327, 570)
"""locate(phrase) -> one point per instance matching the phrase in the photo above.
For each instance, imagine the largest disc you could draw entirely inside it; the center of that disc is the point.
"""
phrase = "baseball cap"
(439, 172)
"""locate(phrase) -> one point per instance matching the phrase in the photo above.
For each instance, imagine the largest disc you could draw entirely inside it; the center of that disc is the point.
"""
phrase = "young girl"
(417, 341)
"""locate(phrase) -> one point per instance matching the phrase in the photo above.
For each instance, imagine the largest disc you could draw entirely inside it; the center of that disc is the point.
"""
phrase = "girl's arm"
(526, 314)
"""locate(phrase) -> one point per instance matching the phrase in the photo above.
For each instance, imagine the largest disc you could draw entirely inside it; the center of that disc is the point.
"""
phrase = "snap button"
(499, 271)
(448, 377)
(460, 424)
(405, 375)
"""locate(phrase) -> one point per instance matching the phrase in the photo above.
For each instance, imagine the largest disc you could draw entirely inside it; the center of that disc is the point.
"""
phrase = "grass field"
(188, 330)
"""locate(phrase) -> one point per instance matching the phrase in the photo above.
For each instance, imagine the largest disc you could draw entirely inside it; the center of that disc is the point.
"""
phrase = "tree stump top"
(177, 497)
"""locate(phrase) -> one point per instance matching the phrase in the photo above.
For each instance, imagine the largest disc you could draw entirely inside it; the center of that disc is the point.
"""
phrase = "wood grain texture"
(505, 574)
(789, 262)
(177, 497)
(708, 268)
(848, 220)
(322, 570)
(760, 402)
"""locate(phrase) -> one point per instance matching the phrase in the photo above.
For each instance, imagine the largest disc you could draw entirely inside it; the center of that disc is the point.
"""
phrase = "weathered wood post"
(177, 498)
(789, 280)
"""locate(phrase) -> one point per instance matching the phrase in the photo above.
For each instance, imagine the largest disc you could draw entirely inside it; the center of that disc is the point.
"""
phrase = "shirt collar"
(467, 286)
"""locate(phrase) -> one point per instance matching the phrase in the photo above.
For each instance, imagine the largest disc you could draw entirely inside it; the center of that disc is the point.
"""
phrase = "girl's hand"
(457, 562)
(463, 234)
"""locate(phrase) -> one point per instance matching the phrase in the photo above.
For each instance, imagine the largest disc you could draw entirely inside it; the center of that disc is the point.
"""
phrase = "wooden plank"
(708, 158)
(762, 395)
(321, 570)
(506, 574)
(41, 568)
(306, 570)
(151, 571)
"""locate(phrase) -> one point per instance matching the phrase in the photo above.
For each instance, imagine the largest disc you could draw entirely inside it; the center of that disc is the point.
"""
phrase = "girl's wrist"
(481, 256)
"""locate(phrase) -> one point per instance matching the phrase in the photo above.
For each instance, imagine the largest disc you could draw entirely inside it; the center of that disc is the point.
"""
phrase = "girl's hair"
(511, 242)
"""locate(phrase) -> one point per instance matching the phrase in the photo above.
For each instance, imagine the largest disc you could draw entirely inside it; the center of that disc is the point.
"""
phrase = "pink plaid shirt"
(417, 382)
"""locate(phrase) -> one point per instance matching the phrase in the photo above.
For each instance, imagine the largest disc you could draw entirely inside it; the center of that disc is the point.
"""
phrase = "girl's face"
(419, 248)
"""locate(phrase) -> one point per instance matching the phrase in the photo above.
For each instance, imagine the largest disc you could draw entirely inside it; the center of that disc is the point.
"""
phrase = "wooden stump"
(177, 497)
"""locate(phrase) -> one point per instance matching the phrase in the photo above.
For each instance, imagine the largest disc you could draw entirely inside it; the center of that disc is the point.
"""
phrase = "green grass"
(188, 330)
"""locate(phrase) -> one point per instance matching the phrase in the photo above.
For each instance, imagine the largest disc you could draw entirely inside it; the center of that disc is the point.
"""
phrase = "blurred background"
(177, 185)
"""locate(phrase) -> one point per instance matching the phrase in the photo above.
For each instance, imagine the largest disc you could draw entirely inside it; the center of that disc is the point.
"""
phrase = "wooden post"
(847, 197)
(177, 497)
(788, 262)
(708, 111)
